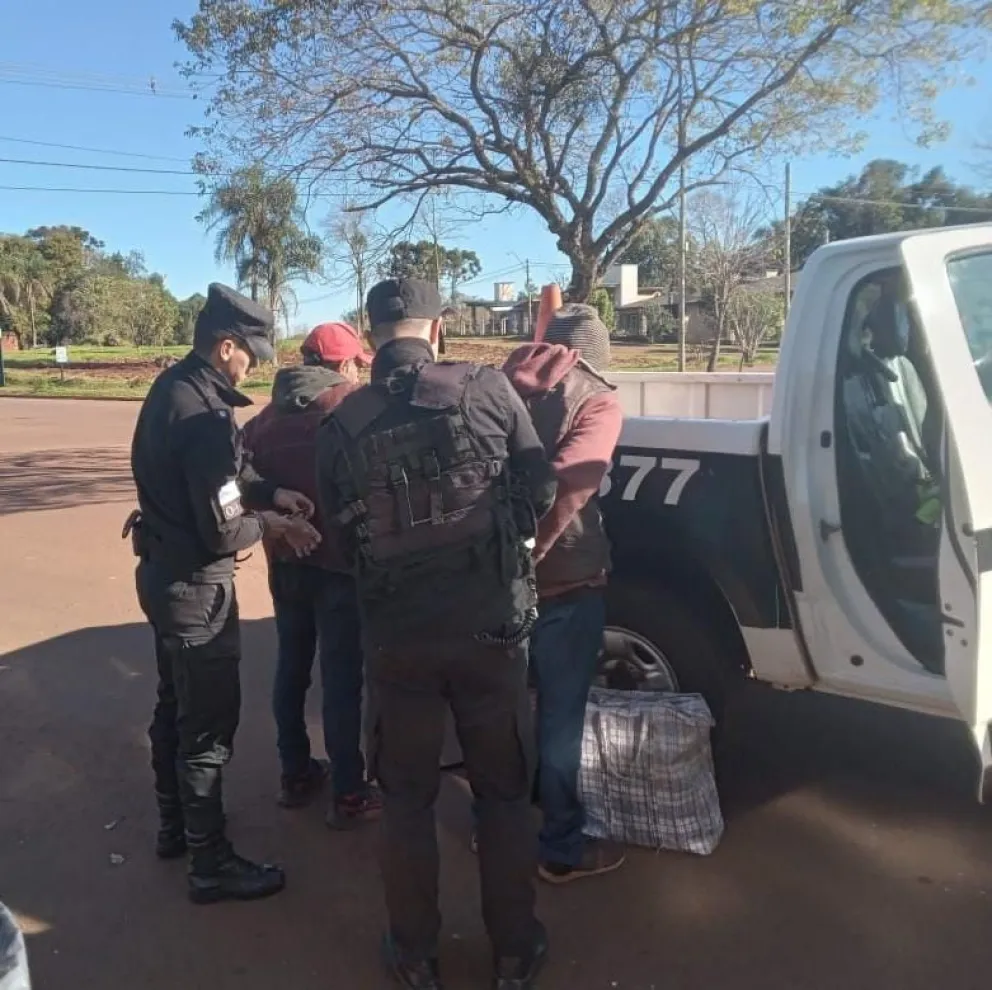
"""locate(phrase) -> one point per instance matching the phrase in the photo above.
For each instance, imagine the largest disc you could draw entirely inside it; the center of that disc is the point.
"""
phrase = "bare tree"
(583, 111)
(724, 228)
(357, 247)
(752, 317)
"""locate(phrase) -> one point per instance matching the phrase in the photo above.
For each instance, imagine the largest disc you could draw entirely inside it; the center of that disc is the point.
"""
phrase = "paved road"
(854, 856)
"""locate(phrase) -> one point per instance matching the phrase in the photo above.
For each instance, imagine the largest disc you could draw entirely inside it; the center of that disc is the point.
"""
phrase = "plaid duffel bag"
(647, 771)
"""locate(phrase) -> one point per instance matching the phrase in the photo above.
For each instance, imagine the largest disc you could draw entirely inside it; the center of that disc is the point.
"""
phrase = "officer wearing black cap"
(200, 504)
(438, 475)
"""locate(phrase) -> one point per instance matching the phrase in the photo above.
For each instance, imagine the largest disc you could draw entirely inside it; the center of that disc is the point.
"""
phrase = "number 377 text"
(643, 465)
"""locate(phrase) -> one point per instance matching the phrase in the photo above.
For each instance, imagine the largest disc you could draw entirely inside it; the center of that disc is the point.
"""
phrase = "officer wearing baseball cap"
(436, 474)
(200, 504)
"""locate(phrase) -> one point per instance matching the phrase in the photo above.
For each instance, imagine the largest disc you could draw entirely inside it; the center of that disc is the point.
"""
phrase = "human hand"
(294, 531)
(294, 503)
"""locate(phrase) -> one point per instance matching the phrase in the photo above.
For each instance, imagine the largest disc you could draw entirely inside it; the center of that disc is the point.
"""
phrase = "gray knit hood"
(579, 327)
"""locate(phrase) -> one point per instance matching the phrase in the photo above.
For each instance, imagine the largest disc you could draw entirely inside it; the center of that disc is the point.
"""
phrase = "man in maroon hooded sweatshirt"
(578, 418)
(316, 607)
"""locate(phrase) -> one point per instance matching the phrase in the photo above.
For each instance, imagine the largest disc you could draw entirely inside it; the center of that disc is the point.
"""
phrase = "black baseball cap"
(403, 299)
(228, 313)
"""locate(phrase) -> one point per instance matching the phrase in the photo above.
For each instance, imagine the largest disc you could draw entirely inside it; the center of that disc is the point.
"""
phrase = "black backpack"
(439, 546)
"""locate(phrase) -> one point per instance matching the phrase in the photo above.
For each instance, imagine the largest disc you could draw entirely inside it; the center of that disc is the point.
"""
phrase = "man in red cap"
(315, 605)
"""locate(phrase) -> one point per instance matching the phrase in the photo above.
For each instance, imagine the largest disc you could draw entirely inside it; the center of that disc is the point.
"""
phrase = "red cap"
(336, 342)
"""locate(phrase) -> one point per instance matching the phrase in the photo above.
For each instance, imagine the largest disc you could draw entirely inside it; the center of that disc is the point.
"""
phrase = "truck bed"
(695, 394)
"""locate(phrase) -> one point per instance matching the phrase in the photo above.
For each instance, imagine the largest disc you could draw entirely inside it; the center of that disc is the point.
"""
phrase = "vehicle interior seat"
(882, 466)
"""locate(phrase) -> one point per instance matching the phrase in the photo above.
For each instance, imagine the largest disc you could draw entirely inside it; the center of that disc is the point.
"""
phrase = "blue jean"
(564, 654)
(317, 613)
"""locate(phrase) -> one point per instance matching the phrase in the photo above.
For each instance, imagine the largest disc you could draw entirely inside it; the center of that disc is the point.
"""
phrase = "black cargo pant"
(410, 692)
(198, 652)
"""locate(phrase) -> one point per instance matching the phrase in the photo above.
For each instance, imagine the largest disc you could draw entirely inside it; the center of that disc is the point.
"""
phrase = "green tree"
(189, 310)
(655, 251)
(25, 286)
(660, 325)
(432, 263)
(36, 288)
(582, 111)
(460, 266)
(260, 227)
(886, 196)
(421, 259)
(603, 302)
(114, 309)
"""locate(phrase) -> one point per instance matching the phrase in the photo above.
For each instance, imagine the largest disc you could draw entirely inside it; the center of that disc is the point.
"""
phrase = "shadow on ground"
(61, 479)
(854, 856)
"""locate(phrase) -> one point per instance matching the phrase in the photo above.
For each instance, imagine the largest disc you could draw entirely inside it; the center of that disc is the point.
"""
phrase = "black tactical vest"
(439, 550)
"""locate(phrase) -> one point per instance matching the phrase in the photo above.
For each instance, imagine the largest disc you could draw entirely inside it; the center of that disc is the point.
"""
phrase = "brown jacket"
(282, 442)
(578, 418)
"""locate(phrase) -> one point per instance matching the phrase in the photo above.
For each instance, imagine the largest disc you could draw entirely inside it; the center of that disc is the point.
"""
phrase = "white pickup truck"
(844, 541)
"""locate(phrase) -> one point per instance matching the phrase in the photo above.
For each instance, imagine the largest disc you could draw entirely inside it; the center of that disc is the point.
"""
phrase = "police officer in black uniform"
(200, 505)
(439, 476)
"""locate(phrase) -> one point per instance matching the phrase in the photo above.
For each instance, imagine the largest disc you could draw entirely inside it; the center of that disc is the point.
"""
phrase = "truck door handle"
(951, 620)
(828, 529)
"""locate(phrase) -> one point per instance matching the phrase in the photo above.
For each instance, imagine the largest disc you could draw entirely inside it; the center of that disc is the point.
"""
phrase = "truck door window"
(971, 282)
(885, 409)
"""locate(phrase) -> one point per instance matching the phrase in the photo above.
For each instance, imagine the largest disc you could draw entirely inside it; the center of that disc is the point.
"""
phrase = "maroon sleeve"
(580, 463)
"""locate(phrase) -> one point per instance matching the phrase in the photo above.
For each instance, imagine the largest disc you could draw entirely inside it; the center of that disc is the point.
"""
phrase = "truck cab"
(842, 543)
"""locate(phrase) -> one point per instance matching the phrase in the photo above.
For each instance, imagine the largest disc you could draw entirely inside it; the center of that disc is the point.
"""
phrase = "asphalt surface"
(854, 855)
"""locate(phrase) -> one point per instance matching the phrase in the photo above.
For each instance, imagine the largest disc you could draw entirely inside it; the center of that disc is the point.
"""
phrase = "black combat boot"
(419, 974)
(217, 873)
(171, 840)
(520, 972)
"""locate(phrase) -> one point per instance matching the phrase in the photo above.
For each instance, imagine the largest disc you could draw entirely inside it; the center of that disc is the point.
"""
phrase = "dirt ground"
(854, 855)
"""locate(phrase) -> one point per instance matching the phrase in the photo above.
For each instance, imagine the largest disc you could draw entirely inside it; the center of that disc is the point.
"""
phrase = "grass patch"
(127, 372)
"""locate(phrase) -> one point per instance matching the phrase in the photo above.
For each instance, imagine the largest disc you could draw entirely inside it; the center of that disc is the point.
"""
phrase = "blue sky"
(112, 44)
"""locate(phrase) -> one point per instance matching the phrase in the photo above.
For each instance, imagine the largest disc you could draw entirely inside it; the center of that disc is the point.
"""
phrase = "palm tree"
(260, 227)
(25, 280)
(35, 288)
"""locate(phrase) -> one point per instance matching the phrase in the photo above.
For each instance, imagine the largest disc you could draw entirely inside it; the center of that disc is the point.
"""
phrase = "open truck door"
(950, 282)
(882, 423)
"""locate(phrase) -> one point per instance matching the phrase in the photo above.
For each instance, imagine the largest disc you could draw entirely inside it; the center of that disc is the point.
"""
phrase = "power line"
(27, 75)
(154, 94)
(986, 211)
(122, 192)
(131, 192)
(98, 168)
(136, 170)
(96, 151)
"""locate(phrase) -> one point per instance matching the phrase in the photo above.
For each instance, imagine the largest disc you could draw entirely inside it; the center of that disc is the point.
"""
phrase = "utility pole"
(788, 237)
(682, 266)
(683, 322)
(530, 304)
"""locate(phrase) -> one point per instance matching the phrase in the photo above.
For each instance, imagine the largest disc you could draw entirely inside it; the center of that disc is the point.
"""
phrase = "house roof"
(665, 298)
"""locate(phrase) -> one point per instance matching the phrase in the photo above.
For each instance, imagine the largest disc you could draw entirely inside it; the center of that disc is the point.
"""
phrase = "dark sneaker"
(170, 842)
(355, 810)
(298, 790)
(231, 878)
(423, 974)
(597, 858)
(519, 973)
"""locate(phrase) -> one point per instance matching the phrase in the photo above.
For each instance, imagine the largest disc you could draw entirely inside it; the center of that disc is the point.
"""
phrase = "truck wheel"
(656, 641)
